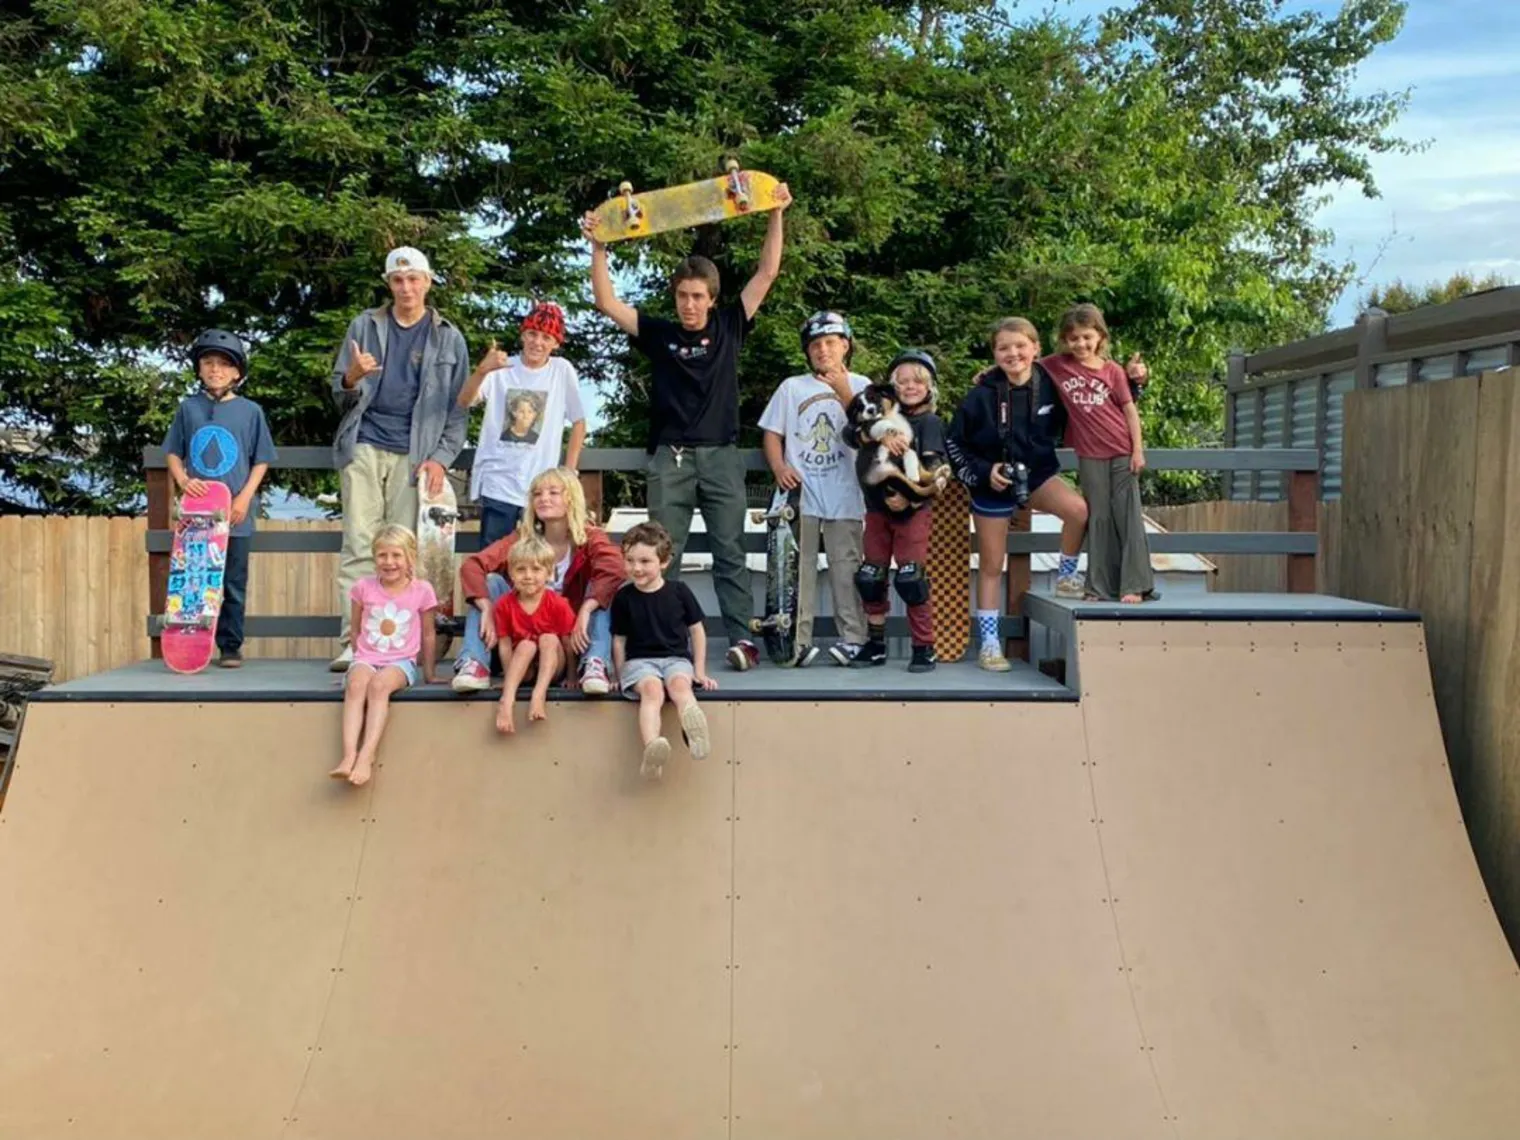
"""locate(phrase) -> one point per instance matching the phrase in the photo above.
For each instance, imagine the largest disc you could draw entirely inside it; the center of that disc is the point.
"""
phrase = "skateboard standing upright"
(734, 194)
(197, 563)
(950, 571)
(437, 523)
(779, 625)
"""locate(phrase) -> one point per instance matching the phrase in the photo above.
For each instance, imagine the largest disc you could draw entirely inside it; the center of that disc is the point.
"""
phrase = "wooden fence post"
(1303, 516)
(158, 564)
(1017, 648)
(591, 487)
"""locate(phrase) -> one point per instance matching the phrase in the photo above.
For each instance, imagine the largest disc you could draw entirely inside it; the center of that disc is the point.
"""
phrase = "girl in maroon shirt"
(1104, 429)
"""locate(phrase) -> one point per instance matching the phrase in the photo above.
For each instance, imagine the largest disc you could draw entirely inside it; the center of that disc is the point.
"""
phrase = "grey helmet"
(228, 344)
(918, 356)
(826, 322)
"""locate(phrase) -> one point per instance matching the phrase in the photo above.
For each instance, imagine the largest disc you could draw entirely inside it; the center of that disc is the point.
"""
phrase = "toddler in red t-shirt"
(534, 625)
(1103, 426)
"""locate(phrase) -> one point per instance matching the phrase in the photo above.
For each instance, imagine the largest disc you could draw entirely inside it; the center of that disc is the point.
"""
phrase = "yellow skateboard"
(736, 194)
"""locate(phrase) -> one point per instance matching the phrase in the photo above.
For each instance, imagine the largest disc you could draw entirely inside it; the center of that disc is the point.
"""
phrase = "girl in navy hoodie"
(1002, 445)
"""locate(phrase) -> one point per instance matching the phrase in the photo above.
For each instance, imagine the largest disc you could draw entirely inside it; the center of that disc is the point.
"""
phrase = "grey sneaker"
(806, 655)
(342, 661)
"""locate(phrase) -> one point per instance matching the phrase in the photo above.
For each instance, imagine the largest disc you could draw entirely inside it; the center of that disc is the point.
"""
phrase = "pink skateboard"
(195, 579)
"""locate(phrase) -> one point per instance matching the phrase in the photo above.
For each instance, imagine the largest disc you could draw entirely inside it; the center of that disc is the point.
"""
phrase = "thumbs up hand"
(1136, 369)
(493, 359)
(360, 364)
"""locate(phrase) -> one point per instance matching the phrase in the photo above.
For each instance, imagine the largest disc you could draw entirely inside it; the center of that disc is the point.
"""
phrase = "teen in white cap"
(397, 378)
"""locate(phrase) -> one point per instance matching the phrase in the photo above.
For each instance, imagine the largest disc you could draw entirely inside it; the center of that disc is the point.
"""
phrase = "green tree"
(1399, 297)
(164, 165)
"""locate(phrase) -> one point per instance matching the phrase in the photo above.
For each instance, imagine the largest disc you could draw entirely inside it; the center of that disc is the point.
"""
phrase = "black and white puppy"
(876, 414)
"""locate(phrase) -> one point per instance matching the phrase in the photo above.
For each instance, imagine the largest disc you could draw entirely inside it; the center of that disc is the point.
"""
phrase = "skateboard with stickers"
(778, 627)
(734, 194)
(197, 563)
(437, 525)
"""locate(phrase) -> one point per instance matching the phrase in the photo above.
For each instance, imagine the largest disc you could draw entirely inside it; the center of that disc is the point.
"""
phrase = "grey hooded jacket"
(439, 425)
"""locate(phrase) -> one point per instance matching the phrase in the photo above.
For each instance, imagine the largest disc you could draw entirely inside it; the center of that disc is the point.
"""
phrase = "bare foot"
(361, 773)
(656, 752)
(504, 722)
(538, 708)
(342, 770)
(1131, 599)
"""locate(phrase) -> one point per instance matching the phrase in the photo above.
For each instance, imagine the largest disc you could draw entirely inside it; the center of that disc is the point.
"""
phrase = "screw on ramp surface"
(1226, 894)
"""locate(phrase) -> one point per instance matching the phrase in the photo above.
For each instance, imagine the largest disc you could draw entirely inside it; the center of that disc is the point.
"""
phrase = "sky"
(1455, 205)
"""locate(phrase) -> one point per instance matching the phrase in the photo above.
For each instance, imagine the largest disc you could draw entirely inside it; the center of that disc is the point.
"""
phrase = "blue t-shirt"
(387, 422)
(221, 441)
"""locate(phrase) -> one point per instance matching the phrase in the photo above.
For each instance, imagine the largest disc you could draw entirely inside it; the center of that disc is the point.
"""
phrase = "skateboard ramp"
(1226, 892)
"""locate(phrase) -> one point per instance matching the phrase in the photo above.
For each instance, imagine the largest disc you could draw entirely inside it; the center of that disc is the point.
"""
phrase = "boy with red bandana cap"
(529, 398)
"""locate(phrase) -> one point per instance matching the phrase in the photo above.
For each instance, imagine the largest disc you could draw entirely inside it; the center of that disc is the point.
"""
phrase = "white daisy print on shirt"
(387, 626)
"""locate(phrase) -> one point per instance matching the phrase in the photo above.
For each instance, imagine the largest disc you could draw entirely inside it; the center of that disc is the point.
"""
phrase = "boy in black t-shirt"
(659, 646)
(694, 413)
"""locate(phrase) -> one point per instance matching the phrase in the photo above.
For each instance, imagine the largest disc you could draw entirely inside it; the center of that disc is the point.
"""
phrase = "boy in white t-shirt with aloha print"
(529, 399)
(804, 446)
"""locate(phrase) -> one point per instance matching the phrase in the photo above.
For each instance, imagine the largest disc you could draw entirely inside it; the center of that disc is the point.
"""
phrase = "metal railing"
(1300, 543)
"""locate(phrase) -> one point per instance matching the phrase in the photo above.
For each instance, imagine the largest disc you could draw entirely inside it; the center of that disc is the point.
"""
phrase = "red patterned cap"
(547, 318)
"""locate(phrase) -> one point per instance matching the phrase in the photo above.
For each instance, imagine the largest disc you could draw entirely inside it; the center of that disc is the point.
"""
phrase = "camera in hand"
(1018, 482)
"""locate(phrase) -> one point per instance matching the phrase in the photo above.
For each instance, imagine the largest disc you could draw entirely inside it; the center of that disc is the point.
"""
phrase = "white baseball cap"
(405, 259)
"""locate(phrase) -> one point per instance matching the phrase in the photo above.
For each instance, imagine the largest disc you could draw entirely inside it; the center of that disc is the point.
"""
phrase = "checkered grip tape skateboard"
(950, 571)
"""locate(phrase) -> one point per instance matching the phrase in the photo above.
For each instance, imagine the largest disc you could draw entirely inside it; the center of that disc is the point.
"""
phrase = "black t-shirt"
(656, 624)
(696, 378)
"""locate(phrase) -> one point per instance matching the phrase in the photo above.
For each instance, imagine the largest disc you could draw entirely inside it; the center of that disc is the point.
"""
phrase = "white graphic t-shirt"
(524, 427)
(808, 417)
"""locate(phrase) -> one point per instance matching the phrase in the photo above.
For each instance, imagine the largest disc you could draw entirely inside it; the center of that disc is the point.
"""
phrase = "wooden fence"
(1431, 521)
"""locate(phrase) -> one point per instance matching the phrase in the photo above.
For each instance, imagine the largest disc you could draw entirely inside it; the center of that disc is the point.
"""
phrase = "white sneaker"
(594, 678)
(473, 677)
(1070, 586)
(342, 661)
(844, 652)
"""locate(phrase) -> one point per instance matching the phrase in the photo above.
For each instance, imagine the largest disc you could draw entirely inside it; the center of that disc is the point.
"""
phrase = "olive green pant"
(1118, 555)
(709, 479)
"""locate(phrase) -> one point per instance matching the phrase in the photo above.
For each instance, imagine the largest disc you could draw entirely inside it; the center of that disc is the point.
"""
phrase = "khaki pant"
(842, 544)
(1118, 554)
(377, 490)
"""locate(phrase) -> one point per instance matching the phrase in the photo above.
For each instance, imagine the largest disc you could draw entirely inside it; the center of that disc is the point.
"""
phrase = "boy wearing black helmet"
(897, 523)
(218, 436)
(804, 444)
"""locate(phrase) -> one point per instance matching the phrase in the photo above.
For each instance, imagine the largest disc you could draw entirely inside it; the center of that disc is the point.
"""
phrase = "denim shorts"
(663, 668)
(408, 669)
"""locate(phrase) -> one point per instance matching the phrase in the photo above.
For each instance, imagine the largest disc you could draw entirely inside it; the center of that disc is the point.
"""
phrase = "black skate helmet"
(920, 357)
(825, 322)
(228, 344)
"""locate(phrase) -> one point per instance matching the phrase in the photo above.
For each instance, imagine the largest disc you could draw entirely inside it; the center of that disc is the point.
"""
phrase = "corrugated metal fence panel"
(1338, 384)
(1305, 404)
(1438, 368)
(1273, 420)
(1483, 360)
(1245, 436)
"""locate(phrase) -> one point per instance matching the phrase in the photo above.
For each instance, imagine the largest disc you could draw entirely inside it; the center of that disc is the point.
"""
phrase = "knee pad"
(871, 581)
(912, 583)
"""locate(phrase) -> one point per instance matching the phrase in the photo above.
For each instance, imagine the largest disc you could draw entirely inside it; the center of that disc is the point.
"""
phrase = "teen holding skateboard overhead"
(529, 400)
(804, 443)
(1105, 431)
(218, 436)
(588, 569)
(1012, 418)
(391, 615)
(396, 379)
(694, 412)
(897, 525)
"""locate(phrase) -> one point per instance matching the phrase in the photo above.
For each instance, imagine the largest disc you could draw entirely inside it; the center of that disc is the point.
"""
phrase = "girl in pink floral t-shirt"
(391, 622)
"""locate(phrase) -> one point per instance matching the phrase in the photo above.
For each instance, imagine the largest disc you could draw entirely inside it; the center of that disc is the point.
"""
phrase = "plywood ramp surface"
(1311, 950)
(1226, 895)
